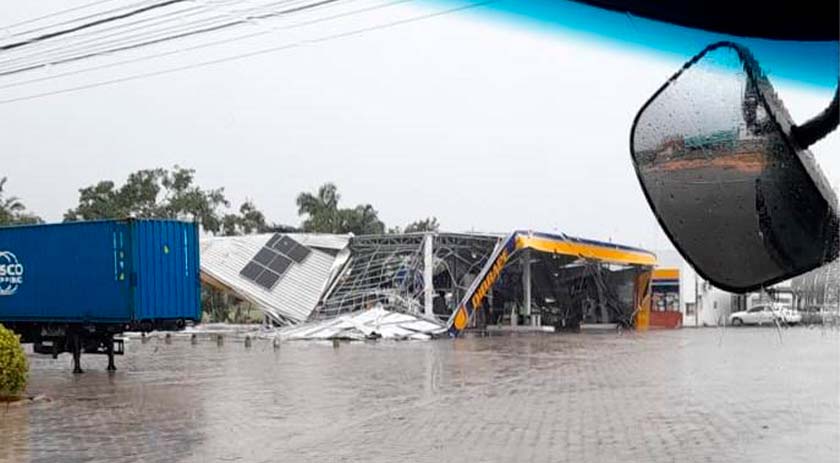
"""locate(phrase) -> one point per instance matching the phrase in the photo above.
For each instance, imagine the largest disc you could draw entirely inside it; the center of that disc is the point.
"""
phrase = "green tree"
(152, 193)
(324, 216)
(100, 201)
(182, 198)
(321, 209)
(12, 209)
(361, 220)
(249, 220)
(429, 224)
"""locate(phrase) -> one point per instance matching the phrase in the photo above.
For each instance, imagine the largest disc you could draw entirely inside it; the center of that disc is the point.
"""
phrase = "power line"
(164, 18)
(88, 25)
(177, 36)
(203, 45)
(45, 49)
(93, 37)
(249, 54)
(57, 13)
(187, 32)
(80, 18)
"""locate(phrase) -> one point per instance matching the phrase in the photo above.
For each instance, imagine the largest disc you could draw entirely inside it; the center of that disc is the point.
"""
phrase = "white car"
(765, 315)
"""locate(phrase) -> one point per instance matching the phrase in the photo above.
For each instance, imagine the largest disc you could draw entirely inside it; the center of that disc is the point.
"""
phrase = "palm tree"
(324, 216)
(9, 207)
(321, 210)
(12, 210)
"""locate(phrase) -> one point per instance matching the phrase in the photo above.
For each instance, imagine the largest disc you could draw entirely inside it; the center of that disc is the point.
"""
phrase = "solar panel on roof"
(264, 256)
(275, 238)
(285, 245)
(273, 260)
(280, 264)
(298, 253)
(251, 271)
(267, 279)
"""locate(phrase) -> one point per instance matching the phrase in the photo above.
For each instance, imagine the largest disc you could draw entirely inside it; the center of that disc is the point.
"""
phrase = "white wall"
(715, 304)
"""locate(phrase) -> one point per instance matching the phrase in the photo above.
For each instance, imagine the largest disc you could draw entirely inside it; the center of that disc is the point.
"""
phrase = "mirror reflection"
(724, 180)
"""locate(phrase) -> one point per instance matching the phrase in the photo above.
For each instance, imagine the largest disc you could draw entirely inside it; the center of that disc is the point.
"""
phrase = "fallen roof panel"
(296, 293)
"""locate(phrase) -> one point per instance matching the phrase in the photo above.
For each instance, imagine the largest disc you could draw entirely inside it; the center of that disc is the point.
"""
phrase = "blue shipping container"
(115, 271)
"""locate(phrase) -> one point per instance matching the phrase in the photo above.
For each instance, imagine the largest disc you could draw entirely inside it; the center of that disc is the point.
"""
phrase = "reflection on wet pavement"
(692, 395)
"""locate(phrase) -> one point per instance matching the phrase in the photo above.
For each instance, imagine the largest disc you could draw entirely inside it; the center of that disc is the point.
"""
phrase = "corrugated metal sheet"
(365, 324)
(321, 240)
(298, 290)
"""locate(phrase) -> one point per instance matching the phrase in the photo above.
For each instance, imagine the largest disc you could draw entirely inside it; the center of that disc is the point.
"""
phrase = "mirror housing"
(742, 202)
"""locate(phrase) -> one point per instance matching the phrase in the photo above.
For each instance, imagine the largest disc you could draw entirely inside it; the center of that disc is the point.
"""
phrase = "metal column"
(428, 270)
(526, 284)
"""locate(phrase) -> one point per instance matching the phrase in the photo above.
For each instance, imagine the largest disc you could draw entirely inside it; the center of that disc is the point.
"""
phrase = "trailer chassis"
(88, 338)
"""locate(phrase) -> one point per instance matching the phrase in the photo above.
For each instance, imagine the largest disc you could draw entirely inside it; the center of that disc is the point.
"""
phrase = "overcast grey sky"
(487, 125)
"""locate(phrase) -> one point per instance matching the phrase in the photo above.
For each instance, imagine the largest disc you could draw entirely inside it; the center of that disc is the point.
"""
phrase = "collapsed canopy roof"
(558, 244)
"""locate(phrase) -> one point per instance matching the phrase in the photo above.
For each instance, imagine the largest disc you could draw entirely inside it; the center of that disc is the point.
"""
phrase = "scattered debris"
(369, 324)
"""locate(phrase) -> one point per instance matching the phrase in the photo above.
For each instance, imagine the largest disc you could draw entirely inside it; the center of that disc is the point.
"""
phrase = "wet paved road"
(690, 395)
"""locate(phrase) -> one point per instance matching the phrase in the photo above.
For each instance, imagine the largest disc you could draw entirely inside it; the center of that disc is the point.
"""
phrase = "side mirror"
(741, 200)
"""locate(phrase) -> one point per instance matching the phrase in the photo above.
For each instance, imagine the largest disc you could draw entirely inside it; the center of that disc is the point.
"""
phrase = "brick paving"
(751, 394)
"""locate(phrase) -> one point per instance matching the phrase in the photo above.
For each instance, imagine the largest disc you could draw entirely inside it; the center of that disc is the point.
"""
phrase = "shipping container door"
(166, 257)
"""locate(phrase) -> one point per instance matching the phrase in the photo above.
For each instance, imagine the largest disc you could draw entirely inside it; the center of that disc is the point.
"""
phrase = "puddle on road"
(494, 399)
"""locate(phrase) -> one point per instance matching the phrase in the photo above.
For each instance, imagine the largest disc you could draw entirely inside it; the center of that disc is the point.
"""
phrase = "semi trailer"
(74, 286)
